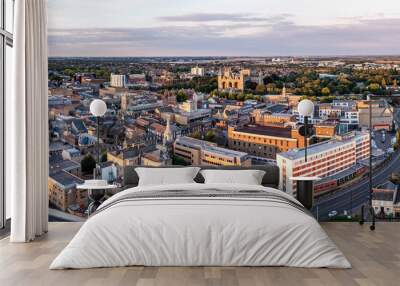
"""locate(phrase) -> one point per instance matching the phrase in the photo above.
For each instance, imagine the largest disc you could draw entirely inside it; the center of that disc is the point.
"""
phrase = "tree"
(261, 89)
(210, 136)
(181, 96)
(249, 96)
(103, 157)
(196, 135)
(398, 136)
(241, 97)
(383, 83)
(374, 87)
(325, 91)
(178, 161)
(69, 71)
(88, 163)
(232, 96)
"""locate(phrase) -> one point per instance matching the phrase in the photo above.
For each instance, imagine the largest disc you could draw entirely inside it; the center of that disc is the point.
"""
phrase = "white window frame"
(6, 39)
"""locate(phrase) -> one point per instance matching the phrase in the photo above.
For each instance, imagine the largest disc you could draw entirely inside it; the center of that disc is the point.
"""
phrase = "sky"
(223, 28)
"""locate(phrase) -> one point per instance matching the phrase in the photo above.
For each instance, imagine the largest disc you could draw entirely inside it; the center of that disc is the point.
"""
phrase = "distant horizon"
(257, 28)
(243, 56)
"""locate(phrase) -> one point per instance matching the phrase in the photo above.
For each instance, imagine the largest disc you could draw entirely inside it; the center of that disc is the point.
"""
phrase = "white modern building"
(324, 159)
(197, 71)
(118, 80)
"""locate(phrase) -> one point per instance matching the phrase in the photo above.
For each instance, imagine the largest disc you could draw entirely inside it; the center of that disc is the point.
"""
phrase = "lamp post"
(370, 185)
(306, 109)
(305, 185)
(98, 108)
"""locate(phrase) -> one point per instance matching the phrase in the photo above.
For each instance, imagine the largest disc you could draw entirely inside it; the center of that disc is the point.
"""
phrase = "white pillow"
(247, 177)
(166, 176)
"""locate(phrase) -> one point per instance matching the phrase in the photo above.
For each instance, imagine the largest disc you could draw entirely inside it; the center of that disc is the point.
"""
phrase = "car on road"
(332, 213)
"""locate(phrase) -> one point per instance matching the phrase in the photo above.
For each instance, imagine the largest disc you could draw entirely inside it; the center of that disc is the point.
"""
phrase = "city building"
(324, 160)
(112, 91)
(325, 130)
(386, 200)
(155, 158)
(382, 114)
(136, 80)
(264, 141)
(197, 71)
(128, 157)
(63, 192)
(199, 152)
(264, 117)
(231, 80)
(118, 80)
(284, 98)
(71, 154)
(108, 171)
(186, 118)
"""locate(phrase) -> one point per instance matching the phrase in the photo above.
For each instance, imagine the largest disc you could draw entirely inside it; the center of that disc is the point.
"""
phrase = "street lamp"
(306, 109)
(370, 184)
(98, 108)
(305, 185)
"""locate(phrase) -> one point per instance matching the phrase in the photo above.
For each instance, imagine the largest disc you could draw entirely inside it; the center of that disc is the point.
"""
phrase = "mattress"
(201, 225)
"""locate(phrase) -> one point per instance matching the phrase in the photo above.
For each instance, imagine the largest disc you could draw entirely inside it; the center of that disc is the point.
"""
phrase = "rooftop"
(65, 179)
(208, 147)
(133, 152)
(57, 164)
(294, 154)
(225, 152)
(383, 195)
(285, 132)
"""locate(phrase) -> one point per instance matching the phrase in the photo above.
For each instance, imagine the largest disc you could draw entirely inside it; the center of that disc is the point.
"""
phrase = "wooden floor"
(375, 257)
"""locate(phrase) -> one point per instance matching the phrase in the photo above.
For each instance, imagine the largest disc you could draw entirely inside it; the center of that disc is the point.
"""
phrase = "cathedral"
(231, 80)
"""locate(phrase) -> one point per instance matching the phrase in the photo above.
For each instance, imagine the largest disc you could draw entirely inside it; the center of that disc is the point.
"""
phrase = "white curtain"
(27, 123)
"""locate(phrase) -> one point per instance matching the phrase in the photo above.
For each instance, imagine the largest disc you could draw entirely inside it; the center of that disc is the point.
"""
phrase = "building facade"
(118, 80)
(264, 141)
(231, 80)
(199, 152)
(197, 71)
(63, 192)
(382, 115)
(324, 159)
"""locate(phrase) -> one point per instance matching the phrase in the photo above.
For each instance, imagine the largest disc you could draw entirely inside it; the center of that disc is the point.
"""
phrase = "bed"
(201, 224)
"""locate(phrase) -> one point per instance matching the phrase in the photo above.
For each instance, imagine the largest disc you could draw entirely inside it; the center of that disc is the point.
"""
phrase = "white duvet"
(194, 231)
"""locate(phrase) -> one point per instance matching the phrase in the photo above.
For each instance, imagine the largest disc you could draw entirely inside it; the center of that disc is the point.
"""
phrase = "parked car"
(332, 213)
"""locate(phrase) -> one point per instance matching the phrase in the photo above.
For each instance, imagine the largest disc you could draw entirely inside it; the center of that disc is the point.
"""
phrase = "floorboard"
(375, 257)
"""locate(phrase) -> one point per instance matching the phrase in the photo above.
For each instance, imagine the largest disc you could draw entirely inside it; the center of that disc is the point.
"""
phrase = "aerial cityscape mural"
(222, 88)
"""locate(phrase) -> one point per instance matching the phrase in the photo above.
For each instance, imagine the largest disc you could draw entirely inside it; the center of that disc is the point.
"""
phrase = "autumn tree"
(325, 91)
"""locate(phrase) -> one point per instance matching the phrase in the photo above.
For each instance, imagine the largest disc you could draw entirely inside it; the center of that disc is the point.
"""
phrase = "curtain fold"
(27, 123)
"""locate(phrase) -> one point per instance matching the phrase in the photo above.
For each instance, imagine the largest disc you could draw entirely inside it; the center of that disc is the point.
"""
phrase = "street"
(353, 197)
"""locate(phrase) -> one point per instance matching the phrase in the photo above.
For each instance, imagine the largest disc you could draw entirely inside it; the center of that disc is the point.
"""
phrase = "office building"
(264, 141)
(199, 152)
(324, 159)
(197, 71)
(118, 80)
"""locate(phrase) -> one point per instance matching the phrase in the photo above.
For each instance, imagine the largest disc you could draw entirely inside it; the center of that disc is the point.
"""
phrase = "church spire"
(168, 135)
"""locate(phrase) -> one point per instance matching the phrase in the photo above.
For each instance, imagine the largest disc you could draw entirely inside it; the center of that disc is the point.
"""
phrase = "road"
(355, 196)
